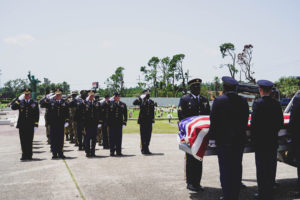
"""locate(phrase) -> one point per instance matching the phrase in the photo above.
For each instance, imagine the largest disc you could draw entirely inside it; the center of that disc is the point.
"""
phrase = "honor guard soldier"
(27, 122)
(193, 104)
(58, 119)
(79, 104)
(228, 124)
(72, 124)
(105, 109)
(146, 119)
(117, 120)
(294, 129)
(266, 121)
(99, 131)
(92, 123)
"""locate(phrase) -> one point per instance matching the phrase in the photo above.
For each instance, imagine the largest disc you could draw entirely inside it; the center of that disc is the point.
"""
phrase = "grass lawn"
(3, 105)
(135, 113)
(160, 126)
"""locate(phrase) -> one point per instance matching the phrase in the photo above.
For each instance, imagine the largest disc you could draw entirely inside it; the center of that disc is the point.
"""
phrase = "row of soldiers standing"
(84, 114)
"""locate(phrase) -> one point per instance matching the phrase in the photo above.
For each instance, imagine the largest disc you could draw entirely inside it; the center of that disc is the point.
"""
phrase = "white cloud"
(20, 40)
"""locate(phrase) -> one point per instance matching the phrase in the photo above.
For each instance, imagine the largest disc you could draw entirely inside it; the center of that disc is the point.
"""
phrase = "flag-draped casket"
(193, 135)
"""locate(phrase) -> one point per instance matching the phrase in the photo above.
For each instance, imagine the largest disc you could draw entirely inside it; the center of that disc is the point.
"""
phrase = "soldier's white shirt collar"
(196, 97)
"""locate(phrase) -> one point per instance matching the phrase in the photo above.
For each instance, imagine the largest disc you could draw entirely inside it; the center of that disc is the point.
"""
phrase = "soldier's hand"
(21, 97)
(123, 126)
(99, 125)
(212, 143)
(66, 124)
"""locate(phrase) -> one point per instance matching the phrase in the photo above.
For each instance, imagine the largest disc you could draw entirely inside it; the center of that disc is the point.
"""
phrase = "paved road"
(132, 177)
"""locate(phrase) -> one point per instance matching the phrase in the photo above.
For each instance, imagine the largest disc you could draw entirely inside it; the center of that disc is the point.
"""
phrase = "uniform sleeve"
(44, 103)
(15, 105)
(213, 121)
(152, 114)
(207, 108)
(137, 102)
(125, 114)
(280, 116)
(66, 112)
(181, 109)
(36, 115)
(100, 115)
(254, 119)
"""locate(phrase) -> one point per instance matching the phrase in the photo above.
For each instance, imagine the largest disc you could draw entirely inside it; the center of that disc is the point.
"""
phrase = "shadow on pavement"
(125, 155)
(154, 154)
(68, 150)
(34, 159)
(38, 151)
(98, 157)
(37, 147)
(286, 191)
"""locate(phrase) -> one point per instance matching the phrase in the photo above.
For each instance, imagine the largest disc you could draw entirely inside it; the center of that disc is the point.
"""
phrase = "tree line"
(167, 77)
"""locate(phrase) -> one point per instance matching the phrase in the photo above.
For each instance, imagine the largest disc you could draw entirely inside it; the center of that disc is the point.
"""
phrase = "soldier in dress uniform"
(105, 109)
(193, 104)
(99, 130)
(79, 104)
(27, 122)
(117, 120)
(294, 129)
(72, 123)
(146, 119)
(228, 124)
(58, 119)
(266, 121)
(92, 123)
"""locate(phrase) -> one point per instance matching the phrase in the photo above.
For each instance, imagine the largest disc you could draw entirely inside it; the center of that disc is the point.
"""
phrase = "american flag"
(193, 132)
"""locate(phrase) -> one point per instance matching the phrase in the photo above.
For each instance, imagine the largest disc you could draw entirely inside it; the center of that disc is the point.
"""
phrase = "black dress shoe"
(276, 185)
(93, 154)
(192, 188)
(200, 188)
(119, 154)
(88, 155)
(62, 156)
(243, 186)
(22, 158)
(54, 156)
(148, 153)
(112, 154)
(256, 196)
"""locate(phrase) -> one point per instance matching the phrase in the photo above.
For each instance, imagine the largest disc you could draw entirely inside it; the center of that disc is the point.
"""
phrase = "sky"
(83, 41)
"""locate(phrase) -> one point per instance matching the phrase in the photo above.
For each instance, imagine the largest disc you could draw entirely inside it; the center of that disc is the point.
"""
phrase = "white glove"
(21, 97)
(212, 143)
(35, 129)
(52, 96)
(99, 125)
(66, 124)
(123, 126)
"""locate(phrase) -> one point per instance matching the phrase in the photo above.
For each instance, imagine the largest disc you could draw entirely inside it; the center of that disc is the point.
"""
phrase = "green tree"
(151, 72)
(287, 86)
(177, 66)
(14, 88)
(227, 49)
(116, 81)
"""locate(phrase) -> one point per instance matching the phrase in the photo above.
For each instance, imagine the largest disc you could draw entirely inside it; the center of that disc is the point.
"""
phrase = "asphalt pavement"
(131, 177)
